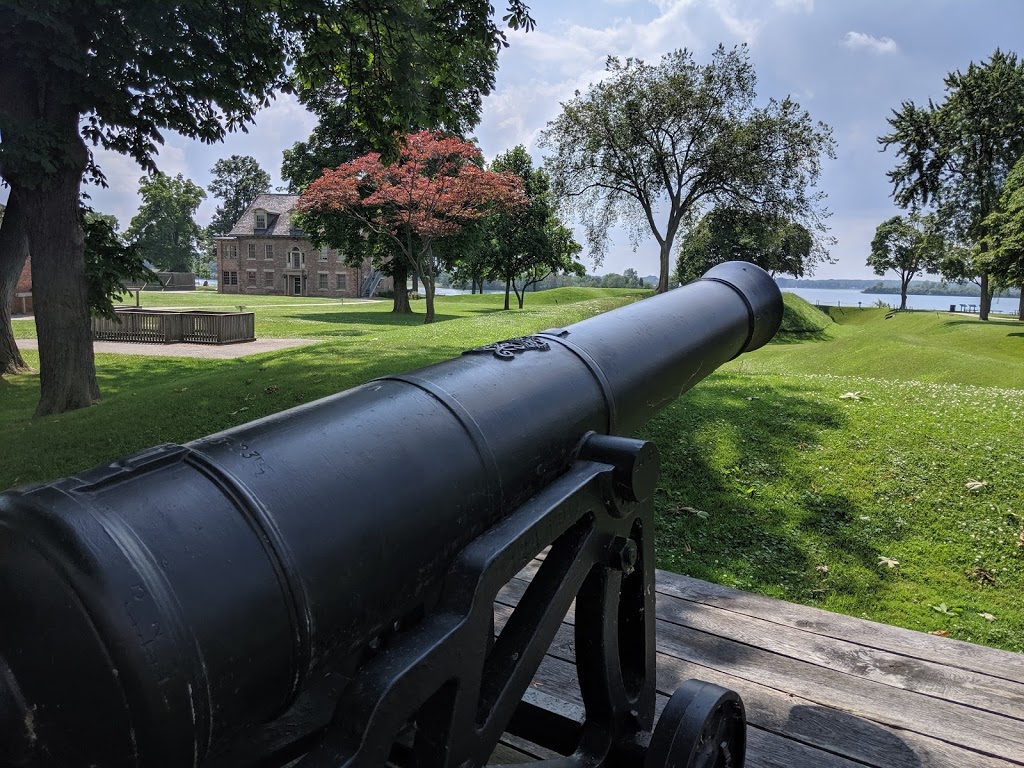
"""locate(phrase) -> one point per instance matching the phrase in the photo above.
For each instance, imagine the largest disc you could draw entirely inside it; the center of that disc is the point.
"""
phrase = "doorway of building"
(296, 285)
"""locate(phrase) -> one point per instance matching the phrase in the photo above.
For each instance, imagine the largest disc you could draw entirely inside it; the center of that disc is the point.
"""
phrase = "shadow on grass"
(367, 318)
(801, 338)
(739, 501)
(991, 321)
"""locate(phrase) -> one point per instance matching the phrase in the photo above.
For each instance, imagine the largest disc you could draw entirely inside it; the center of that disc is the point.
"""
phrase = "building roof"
(279, 210)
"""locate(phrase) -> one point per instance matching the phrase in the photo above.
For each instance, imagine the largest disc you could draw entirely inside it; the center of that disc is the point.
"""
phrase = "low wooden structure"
(821, 690)
(158, 326)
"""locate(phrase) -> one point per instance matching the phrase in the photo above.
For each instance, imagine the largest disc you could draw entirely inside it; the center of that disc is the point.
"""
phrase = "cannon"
(317, 587)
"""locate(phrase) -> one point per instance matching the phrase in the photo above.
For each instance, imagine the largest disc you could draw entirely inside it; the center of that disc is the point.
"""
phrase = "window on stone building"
(269, 248)
(250, 277)
(296, 258)
(324, 254)
(321, 281)
(340, 282)
(252, 250)
(268, 279)
(261, 220)
(229, 278)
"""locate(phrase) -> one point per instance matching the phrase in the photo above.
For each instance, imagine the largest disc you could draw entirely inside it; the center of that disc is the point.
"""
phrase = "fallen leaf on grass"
(987, 616)
(822, 569)
(939, 632)
(944, 609)
(983, 576)
(975, 485)
(888, 561)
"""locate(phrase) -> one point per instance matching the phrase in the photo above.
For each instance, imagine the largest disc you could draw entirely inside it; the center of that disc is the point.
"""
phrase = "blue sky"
(849, 63)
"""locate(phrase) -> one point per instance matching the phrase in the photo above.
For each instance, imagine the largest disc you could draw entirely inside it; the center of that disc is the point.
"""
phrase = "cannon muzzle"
(158, 608)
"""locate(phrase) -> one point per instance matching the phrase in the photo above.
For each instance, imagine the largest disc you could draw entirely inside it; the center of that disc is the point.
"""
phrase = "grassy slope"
(773, 481)
(797, 468)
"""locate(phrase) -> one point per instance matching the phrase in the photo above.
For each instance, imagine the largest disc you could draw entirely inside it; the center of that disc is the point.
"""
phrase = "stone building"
(265, 253)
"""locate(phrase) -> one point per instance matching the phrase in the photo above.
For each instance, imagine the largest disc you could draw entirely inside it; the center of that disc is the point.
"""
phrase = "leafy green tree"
(774, 243)
(120, 74)
(237, 181)
(652, 145)
(1004, 233)
(110, 262)
(955, 155)
(165, 229)
(528, 243)
(13, 253)
(908, 246)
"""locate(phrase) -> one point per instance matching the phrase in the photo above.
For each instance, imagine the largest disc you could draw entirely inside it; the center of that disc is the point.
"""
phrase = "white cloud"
(878, 45)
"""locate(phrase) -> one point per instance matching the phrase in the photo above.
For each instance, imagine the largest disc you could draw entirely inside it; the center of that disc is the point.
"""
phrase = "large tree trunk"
(13, 252)
(986, 297)
(1020, 305)
(665, 253)
(400, 277)
(429, 278)
(508, 287)
(59, 292)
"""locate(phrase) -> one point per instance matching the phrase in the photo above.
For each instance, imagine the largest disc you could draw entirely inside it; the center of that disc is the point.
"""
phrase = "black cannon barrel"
(157, 605)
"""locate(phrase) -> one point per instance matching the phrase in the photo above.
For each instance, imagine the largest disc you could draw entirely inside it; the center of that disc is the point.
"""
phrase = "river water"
(852, 298)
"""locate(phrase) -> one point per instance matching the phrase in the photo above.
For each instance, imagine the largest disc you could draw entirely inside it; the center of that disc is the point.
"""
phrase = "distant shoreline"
(892, 287)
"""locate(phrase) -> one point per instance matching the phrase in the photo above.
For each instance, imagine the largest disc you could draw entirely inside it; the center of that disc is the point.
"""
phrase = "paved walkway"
(210, 351)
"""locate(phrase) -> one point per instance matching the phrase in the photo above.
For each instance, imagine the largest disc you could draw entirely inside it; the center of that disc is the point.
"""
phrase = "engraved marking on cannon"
(508, 349)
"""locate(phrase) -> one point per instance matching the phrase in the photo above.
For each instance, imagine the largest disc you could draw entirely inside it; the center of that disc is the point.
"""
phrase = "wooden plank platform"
(821, 690)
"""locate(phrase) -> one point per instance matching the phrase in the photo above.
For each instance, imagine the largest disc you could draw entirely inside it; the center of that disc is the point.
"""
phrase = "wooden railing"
(154, 326)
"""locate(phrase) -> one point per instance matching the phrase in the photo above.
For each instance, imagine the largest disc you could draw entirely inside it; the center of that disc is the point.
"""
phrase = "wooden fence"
(153, 326)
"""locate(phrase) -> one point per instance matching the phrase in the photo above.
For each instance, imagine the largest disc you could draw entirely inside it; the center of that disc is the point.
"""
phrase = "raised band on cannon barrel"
(319, 584)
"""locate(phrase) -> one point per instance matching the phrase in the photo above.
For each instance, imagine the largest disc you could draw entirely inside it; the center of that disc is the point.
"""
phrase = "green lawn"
(870, 466)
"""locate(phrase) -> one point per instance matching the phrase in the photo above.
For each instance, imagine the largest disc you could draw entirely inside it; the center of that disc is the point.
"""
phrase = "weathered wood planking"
(860, 694)
(919, 645)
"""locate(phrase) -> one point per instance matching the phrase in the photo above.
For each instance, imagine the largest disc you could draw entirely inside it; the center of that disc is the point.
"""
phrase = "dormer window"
(261, 219)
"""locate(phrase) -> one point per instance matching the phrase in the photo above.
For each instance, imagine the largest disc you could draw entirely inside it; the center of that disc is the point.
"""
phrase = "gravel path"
(210, 351)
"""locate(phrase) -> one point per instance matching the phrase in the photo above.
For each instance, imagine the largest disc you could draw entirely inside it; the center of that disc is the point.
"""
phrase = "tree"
(165, 229)
(1004, 233)
(906, 245)
(774, 243)
(119, 74)
(110, 262)
(651, 146)
(237, 181)
(955, 155)
(529, 242)
(13, 253)
(433, 190)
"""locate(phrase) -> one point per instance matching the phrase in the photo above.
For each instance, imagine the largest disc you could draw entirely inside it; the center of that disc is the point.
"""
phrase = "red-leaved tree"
(432, 191)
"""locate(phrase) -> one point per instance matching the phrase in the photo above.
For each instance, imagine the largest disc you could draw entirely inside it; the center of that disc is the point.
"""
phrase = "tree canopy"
(164, 229)
(907, 245)
(653, 145)
(434, 189)
(774, 243)
(529, 242)
(1004, 229)
(120, 74)
(237, 181)
(110, 262)
(955, 155)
